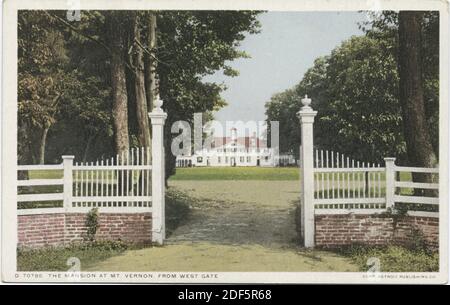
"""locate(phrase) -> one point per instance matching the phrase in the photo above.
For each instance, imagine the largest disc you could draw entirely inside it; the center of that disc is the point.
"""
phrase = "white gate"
(332, 183)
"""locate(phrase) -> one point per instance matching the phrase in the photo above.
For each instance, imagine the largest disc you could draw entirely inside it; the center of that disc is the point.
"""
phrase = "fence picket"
(332, 176)
(127, 178)
(148, 172)
(132, 174)
(322, 176)
(116, 173)
(96, 179)
(338, 174)
(348, 178)
(107, 179)
(122, 162)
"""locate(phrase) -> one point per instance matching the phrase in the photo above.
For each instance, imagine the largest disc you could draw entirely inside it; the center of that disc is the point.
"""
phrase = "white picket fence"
(119, 183)
(333, 183)
(132, 182)
(343, 182)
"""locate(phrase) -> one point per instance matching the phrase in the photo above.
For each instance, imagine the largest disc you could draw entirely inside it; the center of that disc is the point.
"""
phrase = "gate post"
(390, 181)
(68, 180)
(158, 117)
(306, 116)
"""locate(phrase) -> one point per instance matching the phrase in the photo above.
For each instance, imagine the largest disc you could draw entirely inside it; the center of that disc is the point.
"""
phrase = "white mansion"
(236, 151)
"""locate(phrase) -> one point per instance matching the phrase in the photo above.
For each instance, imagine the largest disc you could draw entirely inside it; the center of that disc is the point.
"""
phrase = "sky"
(286, 47)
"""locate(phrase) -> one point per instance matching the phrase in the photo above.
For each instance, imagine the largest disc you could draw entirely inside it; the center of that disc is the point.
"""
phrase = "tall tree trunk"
(419, 149)
(139, 85)
(42, 142)
(118, 82)
(150, 62)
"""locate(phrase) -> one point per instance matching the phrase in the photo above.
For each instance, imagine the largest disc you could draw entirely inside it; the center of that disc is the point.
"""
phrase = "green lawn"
(237, 173)
(285, 174)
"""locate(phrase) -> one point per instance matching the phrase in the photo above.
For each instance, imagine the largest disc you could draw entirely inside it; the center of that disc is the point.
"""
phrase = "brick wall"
(342, 230)
(428, 227)
(62, 228)
(40, 230)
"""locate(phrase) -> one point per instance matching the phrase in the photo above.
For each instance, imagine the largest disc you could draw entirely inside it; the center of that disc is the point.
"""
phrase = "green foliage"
(394, 258)
(55, 258)
(72, 59)
(91, 224)
(57, 91)
(355, 91)
(193, 44)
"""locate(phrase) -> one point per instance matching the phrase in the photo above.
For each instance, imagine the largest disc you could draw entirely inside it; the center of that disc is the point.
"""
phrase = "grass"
(56, 258)
(213, 257)
(237, 173)
(393, 259)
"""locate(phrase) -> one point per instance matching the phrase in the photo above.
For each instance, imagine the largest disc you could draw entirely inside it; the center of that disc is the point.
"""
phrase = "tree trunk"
(42, 142)
(139, 85)
(87, 148)
(118, 82)
(151, 63)
(419, 149)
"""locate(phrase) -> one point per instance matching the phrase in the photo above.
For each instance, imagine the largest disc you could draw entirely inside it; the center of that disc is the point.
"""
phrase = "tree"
(419, 147)
(116, 42)
(356, 90)
(42, 73)
(139, 82)
(420, 150)
(353, 89)
(192, 44)
(115, 60)
(151, 63)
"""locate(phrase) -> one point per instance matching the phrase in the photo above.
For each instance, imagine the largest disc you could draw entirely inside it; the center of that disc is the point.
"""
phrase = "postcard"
(225, 142)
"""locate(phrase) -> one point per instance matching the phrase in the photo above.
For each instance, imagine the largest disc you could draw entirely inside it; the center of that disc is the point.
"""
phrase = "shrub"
(394, 258)
(56, 258)
(91, 224)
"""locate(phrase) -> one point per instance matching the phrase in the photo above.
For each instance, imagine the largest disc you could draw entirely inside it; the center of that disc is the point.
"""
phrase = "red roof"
(245, 141)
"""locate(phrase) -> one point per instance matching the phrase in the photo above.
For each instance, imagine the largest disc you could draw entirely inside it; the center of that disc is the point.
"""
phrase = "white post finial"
(306, 101)
(158, 104)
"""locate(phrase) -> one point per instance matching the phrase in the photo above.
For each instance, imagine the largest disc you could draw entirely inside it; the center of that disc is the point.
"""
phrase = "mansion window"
(199, 159)
(219, 160)
(249, 159)
(241, 159)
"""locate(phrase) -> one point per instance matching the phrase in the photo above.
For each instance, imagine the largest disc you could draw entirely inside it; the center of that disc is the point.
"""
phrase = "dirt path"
(233, 226)
(246, 213)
